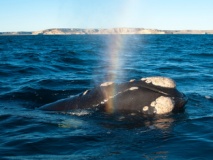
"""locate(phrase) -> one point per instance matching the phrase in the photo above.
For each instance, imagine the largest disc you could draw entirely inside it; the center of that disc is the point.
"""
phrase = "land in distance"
(74, 31)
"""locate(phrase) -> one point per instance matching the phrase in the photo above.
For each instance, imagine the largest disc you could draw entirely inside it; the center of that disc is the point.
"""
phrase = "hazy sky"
(33, 15)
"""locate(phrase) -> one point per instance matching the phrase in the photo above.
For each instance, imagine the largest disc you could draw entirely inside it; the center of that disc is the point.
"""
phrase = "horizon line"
(108, 28)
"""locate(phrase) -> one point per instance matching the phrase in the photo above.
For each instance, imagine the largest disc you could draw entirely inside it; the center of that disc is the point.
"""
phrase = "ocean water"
(36, 70)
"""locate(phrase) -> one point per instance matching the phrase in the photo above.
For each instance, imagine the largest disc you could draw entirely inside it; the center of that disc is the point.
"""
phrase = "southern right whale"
(148, 96)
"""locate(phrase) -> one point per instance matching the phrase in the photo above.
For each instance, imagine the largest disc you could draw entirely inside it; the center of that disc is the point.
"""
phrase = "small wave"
(202, 55)
(199, 106)
(33, 98)
(72, 123)
(78, 113)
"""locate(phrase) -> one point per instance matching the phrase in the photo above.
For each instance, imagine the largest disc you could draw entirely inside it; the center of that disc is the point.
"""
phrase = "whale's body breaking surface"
(152, 95)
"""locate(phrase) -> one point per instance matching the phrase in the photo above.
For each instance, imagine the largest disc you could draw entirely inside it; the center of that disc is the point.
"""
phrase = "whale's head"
(169, 99)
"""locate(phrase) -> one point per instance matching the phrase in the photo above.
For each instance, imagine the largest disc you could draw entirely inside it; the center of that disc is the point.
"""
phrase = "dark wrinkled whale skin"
(152, 95)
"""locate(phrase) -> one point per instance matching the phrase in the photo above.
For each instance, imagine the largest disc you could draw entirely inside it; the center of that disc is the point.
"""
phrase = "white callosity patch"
(106, 84)
(133, 88)
(85, 92)
(163, 105)
(145, 108)
(160, 81)
(132, 80)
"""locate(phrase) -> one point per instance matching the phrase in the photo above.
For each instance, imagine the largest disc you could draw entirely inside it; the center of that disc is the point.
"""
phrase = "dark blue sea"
(36, 70)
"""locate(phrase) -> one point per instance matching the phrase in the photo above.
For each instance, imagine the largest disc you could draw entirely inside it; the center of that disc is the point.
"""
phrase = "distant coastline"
(76, 31)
